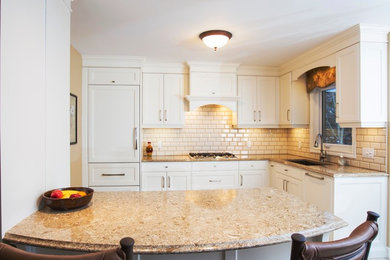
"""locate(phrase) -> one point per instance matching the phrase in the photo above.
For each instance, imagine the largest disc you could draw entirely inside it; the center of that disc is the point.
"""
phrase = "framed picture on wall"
(73, 119)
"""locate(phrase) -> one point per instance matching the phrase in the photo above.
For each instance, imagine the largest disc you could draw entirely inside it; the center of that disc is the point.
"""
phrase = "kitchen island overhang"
(173, 222)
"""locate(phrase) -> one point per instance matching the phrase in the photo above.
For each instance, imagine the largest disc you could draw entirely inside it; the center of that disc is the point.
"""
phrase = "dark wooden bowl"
(68, 204)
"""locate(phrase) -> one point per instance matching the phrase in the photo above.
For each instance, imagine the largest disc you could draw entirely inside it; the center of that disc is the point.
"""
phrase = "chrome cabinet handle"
(259, 115)
(337, 109)
(135, 138)
(254, 115)
(113, 174)
(215, 180)
(159, 115)
(162, 182)
(241, 180)
(315, 177)
(169, 181)
(288, 114)
(165, 115)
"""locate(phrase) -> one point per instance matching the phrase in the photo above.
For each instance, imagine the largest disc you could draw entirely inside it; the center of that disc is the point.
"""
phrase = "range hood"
(213, 83)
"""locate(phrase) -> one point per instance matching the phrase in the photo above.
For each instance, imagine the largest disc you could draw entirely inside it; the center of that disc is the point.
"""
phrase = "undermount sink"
(307, 162)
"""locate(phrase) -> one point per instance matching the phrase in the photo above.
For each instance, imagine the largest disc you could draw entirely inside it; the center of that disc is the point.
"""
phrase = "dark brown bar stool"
(355, 247)
(125, 252)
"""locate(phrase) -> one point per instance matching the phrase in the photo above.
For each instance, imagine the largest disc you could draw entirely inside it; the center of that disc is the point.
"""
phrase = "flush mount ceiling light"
(215, 38)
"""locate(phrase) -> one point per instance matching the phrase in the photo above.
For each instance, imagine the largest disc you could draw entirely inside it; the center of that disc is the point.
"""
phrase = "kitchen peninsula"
(177, 222)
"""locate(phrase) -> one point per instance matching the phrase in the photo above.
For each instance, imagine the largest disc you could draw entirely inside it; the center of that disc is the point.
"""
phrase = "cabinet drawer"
(214, 180)
(289, 171)
(113, 76)
(120, 174)
(166, 167)
(214, 166)
(253, 165)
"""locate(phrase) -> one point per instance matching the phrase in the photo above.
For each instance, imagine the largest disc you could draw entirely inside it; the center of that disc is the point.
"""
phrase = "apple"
(75, 195)
(56, 194)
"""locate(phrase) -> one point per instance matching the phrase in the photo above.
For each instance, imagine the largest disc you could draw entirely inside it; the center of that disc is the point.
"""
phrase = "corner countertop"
(177, 221)
(330, 169)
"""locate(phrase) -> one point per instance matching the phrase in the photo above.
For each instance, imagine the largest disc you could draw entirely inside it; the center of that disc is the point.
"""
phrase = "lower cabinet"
(214, 175)
(253, 174)
(347, 197)
(166, 176)
(287, 178)
(113, 176)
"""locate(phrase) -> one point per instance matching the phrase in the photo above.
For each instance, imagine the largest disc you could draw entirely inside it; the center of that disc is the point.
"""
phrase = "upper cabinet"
(213, 84)
(259, 101)
(113, 76)
(294, 102)
(361, 85)
(163, 100)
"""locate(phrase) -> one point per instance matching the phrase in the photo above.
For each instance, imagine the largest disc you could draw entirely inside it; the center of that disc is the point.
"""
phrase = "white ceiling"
(265, 32)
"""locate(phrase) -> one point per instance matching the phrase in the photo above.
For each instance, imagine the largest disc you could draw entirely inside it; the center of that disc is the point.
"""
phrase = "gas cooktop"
(215, 156)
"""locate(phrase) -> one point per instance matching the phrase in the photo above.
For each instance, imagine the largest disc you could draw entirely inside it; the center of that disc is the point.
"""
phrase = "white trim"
(84, 129)
(315, 128)
(262, 71)
(165, 67)
(113, 61)
(216, 67)
(198, 101)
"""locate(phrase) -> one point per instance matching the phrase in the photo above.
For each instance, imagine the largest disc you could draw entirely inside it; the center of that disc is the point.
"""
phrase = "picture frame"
(73, 119)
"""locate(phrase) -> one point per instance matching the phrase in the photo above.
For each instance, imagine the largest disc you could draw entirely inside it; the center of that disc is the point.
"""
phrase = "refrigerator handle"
(136, 138)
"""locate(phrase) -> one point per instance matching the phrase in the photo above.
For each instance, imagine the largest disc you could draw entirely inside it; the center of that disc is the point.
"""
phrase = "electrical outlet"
(249, 144)
(159, 144)
(368, 152)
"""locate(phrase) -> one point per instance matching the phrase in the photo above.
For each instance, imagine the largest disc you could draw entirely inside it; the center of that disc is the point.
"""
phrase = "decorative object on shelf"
(149, 149)
(215, 38)
(320, 77)
(73, 119)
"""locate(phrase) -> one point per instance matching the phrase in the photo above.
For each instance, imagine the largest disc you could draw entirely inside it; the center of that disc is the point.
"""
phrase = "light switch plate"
(368, 152)
(159, 144)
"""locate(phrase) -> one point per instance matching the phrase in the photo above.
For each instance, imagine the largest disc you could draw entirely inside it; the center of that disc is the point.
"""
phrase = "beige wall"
(208, 129)
(75, 88)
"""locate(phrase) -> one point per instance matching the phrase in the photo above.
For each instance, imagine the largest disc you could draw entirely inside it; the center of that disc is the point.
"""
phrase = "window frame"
(316, 127)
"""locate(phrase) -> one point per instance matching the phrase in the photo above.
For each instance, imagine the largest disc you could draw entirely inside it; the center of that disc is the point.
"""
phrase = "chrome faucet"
(322, 151)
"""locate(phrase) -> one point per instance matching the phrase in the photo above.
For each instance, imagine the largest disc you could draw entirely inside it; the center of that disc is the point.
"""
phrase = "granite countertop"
(330, 169)
(177, 221)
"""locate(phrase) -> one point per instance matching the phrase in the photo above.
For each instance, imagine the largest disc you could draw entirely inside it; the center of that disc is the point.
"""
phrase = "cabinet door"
(253, 179)
(318, 190)
(153, 181)
(178, 180)
(152, 100)
(285, 101)
(247, 107)
(173, 114)
(347, 85)
(113, 123)
(294, 186)
(277, 180)
(267, 100)
(113, 76)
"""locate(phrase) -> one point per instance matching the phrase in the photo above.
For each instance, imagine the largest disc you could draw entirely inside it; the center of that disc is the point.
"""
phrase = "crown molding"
(245, 70)
(165, 67)
(216, 67)
(113, 61)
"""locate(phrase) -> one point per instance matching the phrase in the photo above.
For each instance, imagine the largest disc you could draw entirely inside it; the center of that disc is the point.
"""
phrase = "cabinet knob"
(166, 167)
(112, 81)
(213, 93)
(251, 165)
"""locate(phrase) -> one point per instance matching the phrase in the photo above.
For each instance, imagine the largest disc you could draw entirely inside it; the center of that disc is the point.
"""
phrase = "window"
(336, 140)
(332, 133)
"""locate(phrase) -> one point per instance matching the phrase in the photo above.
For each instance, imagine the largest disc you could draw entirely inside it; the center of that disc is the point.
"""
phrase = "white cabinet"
(287, 178)
(163, 100)
(113, 119)
(113, 174)
(361, 85)
(253, 174)
(318, 190)
(214, 175)
(113, 76)
(294, 102)
(259, 101)
(209, 84)
(166, 176)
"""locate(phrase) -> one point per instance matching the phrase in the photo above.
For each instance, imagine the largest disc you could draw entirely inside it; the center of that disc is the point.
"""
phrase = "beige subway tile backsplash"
(209, 129)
